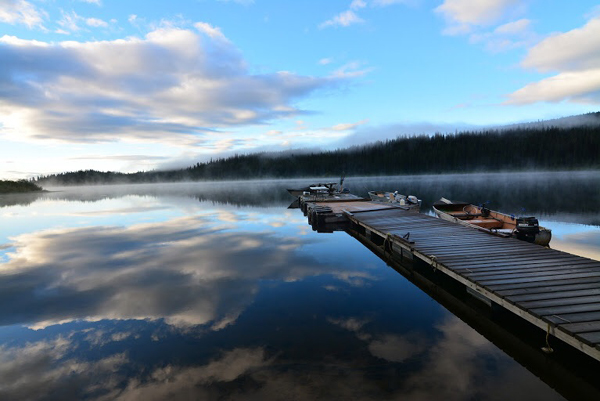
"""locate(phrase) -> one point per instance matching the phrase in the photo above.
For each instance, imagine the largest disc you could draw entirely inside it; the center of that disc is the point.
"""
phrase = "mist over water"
(217, 290)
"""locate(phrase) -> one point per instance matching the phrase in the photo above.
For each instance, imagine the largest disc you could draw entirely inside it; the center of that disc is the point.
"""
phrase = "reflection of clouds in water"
(112, 212)
(453, 366)
(44, 370)
(202, 382)
(188, 271)
(583, 243)
(49, 370)
(464, 365)
(460, 365)
(391, 347)
(396, 348)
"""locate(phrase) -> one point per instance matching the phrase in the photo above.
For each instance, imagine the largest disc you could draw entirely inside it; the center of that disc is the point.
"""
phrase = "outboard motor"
(527, 228)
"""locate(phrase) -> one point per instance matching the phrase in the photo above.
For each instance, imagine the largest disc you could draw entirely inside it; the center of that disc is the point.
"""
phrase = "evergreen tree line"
(548, 148)
(7, 186)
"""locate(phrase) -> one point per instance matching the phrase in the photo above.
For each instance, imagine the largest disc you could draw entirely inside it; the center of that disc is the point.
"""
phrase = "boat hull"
(505, 227)
(396, 199)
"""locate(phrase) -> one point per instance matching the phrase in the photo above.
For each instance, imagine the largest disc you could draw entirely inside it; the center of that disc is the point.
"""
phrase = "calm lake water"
(218, 291)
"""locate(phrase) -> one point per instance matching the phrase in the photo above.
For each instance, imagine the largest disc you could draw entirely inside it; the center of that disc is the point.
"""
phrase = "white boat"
(410, 201)
(492, 222)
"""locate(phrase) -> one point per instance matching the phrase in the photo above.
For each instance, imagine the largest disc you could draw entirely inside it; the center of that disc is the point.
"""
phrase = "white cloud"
(514, 27)
(96, 2)
(349, 17)
(345, 18)
(70, 21)
(577, 49)
(385, 3)
(95, 22)
(578, 86)
(325, 61)
(575, 55)
(351, 70)
(508, 36)
(348, 126)
(463, 15)
(172, 85)
(356, 4)
(21, 12)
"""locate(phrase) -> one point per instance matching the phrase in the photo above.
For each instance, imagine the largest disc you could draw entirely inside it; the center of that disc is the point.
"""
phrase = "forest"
(515, 149)
(20, 186)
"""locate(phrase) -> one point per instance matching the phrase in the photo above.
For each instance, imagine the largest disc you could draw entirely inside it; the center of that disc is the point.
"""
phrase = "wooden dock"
(556, 291)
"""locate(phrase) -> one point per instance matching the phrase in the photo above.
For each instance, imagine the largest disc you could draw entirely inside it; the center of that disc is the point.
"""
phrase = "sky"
(134, 85)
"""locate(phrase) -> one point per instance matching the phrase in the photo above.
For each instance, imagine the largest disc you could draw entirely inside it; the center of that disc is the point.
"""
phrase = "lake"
(218, 291)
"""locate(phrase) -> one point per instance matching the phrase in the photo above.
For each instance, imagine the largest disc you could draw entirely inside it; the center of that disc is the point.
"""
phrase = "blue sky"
(137, 85)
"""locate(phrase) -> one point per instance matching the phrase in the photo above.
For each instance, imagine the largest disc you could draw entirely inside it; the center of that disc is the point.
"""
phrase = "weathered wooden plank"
(539, 284)
(583, 327)
(517, 255)
(565, 318)
(561, 301)
(554, 295)
(522, 274)
(593, 337)
(498, 266)
(532, 285)
(549, 289)
(537, 279)
(525, 271)
(562, 309)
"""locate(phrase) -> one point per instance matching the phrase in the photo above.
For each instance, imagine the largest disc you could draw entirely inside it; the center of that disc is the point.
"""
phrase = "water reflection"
(556, 196)
(187, 271)
(153, 294)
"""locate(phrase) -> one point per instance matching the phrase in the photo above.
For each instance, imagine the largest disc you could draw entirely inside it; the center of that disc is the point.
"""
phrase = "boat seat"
(463, 214)
(486, 223)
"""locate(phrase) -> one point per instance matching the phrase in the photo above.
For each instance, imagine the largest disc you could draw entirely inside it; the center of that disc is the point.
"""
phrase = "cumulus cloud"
(95, 22)
(21, 12)
(348, 126)
(345, 18)
(350, 16)
(351, 70)
(507, 36)
(477, 20)
(576, 50)
(463, 15)
(575, 55)
(172, 85)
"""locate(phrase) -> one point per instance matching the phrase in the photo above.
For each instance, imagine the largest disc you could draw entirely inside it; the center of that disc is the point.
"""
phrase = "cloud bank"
(173, 85)
(575, 55)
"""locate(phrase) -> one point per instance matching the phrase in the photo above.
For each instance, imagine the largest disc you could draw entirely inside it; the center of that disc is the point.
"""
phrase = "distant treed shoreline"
(516, 149)
(7, 187)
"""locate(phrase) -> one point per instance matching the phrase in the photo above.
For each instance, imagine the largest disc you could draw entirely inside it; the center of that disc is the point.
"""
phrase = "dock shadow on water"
(217, 291)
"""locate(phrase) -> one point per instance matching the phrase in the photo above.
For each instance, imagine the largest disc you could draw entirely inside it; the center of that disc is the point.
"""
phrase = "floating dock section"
(556, 291)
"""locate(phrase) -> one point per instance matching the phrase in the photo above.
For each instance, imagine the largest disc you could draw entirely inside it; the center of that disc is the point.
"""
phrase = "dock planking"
(557, 291)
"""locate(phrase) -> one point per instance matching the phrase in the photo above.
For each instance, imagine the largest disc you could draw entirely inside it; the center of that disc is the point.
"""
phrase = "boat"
(328, 188)
(492, 222)
(410, 201)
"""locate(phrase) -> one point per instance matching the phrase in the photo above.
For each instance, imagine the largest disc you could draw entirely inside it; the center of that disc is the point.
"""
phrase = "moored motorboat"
(410, 201)
(329, 187)
(492, 222)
